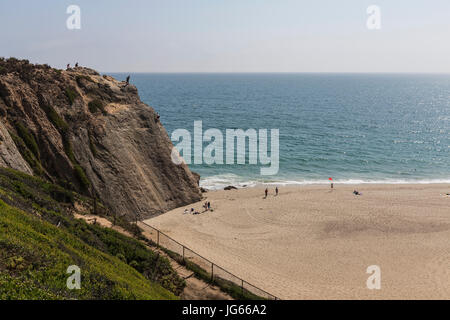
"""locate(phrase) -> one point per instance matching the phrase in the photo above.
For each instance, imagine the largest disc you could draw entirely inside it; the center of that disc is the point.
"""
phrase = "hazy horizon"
(255, 36)
(272, 72)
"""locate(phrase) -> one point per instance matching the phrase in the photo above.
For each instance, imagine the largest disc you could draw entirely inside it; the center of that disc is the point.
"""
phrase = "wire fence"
(204, 268)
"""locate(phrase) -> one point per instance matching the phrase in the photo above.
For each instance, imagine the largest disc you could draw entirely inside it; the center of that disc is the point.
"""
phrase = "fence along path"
(209, 270)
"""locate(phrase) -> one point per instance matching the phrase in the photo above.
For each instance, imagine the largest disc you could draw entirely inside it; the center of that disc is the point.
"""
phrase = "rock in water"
(93, 134)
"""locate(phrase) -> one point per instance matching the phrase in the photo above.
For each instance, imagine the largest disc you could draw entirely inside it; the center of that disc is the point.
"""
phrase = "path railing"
(206, 269)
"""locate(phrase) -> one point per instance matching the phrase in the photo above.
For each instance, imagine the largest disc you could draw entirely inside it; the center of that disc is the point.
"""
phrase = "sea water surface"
(355, 128)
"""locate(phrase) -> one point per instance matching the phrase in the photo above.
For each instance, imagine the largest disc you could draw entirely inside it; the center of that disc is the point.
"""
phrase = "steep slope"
(92, 134)
(40, 239)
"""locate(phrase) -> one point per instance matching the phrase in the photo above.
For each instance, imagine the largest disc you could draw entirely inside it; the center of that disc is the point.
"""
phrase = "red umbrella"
(331, 179)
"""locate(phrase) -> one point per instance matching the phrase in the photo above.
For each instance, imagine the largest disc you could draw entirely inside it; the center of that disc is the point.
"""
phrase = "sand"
(312, 243)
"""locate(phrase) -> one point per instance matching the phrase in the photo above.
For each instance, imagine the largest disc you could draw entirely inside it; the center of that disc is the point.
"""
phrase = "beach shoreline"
(311, 242)
(349, 182)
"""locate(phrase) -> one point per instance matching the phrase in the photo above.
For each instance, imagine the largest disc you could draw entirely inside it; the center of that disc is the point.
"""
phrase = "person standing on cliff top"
(128, 80)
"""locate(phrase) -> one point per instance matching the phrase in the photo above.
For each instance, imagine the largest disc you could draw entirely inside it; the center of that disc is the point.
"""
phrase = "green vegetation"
(40, 238)
(56, 120)
(71, 95)
(28, 138)
(23, 68)
(92, 145)
(234, 290)
(82, 178)
(29, 157)
(68, 149)
(27, 143)
(63, 129)
(81, 77)
(37, 253)
(78, 170)
(95, 106)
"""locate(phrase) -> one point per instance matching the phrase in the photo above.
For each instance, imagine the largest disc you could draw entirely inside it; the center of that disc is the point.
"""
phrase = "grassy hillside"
(39, 239)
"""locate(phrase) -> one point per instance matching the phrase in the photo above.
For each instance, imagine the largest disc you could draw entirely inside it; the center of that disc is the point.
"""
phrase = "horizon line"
(279, 72)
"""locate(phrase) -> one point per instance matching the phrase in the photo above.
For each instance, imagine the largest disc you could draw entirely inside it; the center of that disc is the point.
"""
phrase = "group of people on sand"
(186, 211)
(266, 192)
(206, 206)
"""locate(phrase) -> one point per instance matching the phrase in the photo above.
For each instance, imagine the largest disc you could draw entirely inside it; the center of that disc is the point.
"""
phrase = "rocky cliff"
(90, 133)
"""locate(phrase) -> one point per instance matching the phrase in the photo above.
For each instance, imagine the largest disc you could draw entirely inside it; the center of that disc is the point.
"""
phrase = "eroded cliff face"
(9, 155)
(93, 134)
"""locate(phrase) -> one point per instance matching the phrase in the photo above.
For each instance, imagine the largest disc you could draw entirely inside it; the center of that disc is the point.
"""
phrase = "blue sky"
(231, 35)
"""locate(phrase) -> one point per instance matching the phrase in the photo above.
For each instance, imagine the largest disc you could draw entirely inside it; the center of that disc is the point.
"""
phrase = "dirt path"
(195, 289)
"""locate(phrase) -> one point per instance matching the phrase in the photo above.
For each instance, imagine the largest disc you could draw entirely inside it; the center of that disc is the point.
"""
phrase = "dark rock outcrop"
(90, 133)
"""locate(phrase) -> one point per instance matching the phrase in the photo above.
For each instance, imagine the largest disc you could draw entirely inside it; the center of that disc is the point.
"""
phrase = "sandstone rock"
(9, 155)
(93, 134)
(197, 177)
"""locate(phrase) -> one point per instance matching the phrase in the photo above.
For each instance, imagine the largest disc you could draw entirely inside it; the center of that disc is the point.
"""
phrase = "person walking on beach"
(276, 191)
(266, 192)
(209, 205)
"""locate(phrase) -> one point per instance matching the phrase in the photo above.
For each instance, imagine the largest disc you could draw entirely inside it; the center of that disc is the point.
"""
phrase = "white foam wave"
(221, 181)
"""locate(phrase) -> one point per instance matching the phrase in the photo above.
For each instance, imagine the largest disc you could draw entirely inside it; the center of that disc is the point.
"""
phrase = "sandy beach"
(313, 243)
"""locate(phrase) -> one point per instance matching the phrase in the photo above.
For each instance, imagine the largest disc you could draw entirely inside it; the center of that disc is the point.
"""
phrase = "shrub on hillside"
(95, 106)
(71, 94)
(28, 138)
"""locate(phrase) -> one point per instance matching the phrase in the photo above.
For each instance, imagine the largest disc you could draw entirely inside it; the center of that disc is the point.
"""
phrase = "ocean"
(355, 128)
